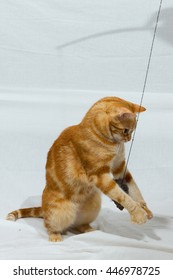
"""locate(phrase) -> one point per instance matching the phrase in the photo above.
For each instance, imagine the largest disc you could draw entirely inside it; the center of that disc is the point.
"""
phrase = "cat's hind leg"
(87, 213)
(58, 218)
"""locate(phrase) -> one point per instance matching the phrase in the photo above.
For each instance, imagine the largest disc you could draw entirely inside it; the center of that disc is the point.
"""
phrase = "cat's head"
(114, 118)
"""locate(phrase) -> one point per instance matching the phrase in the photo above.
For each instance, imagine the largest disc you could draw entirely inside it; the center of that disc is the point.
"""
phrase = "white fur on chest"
(119, 156)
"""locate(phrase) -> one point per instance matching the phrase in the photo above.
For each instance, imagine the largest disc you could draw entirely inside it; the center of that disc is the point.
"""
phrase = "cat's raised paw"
(138, 216)
(148, 211)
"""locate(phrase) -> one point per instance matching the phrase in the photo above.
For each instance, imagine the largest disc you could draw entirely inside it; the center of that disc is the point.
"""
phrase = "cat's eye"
(126, 131)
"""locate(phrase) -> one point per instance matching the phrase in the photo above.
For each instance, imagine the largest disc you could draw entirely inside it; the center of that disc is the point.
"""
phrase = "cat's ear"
(137, 108)
(122, 117)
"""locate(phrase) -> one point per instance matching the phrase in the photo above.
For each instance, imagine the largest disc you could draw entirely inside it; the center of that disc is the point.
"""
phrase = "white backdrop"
(57, 58)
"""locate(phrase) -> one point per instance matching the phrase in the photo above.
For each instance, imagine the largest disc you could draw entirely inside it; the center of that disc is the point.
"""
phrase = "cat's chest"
(111, 155)
(119, 153)
(118, 161)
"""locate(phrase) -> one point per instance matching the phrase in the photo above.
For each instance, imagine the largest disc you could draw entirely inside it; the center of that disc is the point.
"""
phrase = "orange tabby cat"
(82, 163)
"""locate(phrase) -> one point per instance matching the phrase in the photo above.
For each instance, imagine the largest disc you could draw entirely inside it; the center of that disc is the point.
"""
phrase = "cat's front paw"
(148, 211)
(138, 216)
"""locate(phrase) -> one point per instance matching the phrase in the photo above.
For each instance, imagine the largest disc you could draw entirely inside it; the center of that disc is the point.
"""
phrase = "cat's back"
(62, 145)
(66, 137)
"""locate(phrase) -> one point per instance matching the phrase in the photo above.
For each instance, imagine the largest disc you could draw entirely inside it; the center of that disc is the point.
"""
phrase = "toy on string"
(122, 184)
(121, 181)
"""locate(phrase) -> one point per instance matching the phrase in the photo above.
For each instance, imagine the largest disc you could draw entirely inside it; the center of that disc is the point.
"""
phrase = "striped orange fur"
(79, 166)
(34, 212)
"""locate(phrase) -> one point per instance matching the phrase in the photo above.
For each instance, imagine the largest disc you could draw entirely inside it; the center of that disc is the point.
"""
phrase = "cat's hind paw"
(55, 237)
(83, 228)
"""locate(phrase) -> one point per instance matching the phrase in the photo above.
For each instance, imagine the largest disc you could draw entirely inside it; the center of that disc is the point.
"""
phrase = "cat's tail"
(34, 212)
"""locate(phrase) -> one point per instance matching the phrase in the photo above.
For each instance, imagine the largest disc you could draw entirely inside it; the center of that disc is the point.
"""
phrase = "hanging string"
(144, 87)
